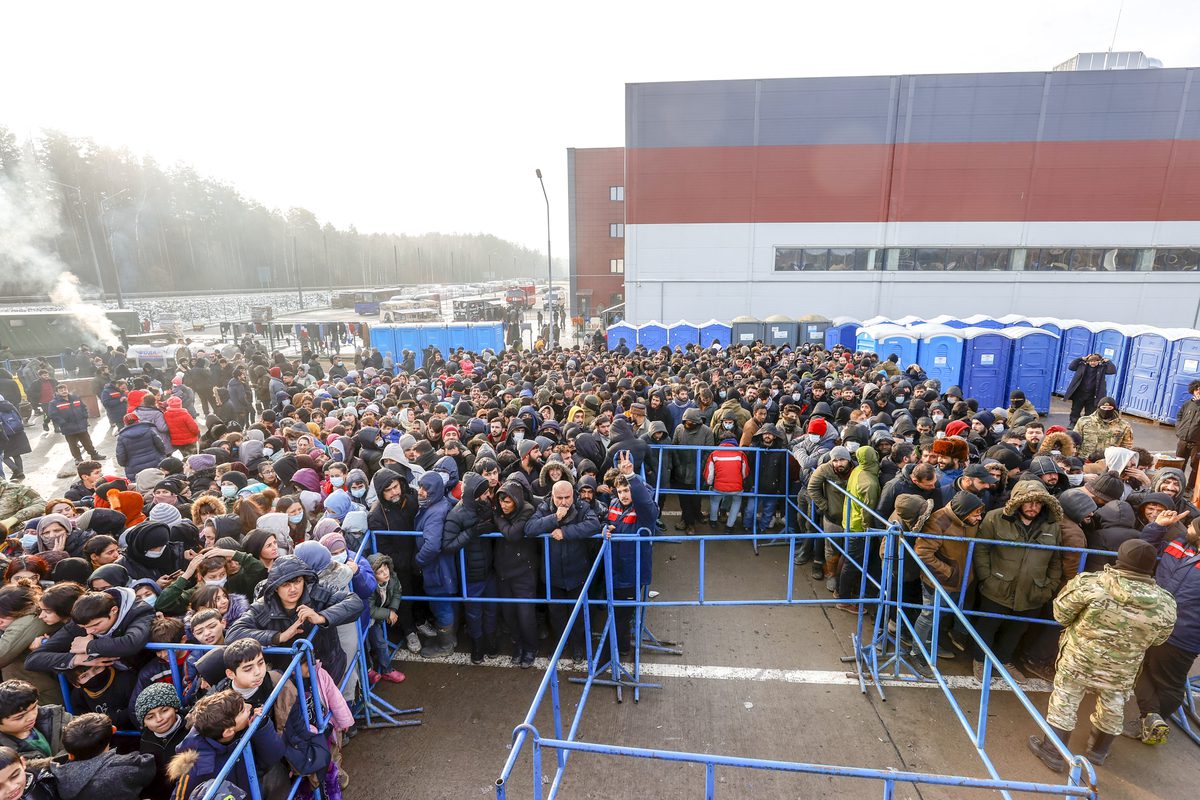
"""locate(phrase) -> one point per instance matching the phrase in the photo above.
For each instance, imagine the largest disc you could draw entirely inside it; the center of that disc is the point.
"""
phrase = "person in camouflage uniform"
(1109, 619)
(18, 503)
(1103, 428)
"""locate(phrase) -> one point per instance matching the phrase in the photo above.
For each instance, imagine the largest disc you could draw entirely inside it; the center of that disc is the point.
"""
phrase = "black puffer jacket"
(622, 437)
(465, 525)
(398, 516)
(514, 554)
(267, 618)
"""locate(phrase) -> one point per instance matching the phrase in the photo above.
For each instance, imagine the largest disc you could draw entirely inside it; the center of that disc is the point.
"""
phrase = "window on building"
(1177, 259)
(1081, 259)
(616, 193)
(821, 259)
(617, 230)
(616, 265)
(953, 259)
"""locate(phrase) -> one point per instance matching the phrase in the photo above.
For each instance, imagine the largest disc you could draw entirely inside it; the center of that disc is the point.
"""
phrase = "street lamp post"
(549, 264)
(88, 229)
(112, 253)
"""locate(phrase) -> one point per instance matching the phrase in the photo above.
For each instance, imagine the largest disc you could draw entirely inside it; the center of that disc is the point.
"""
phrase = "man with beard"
(823, 491)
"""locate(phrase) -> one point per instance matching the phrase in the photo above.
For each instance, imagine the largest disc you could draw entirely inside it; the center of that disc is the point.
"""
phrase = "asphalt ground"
(754, 681)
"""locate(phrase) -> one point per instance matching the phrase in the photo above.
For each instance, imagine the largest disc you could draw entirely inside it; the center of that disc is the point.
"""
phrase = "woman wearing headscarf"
(57, 532)
(150, 553)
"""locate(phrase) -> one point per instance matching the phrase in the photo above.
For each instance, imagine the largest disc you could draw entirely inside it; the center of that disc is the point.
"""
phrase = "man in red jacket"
(181, 426)
(726, 471)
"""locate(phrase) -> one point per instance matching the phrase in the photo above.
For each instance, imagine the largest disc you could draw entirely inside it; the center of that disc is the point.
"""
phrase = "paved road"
(761, 682)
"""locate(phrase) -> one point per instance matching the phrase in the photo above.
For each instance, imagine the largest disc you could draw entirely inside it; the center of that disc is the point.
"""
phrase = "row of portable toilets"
(988, 357)
(446, 337)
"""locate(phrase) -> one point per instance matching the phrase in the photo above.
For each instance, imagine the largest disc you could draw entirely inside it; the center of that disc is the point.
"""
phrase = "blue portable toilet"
(1112, 342)
(812, 329)
(940, 353)
(458, 334)
(1076, 343)
(1184, 368)
(486, 336)
(383, 339)
(884, 340)
(652, 335)
(433, 334)
(681, 334)
(983, 321)
(781, 330)
(715, 331)
(747, 330)
(949, 321)
(841, 331)
(1034, 366)
(619, 331)
(986, 356)
(1146, 370)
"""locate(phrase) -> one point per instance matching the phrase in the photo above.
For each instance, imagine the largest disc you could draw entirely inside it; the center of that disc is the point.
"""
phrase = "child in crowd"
(95, 770)
(34, 731)
(157, 712)
(215, 725)
(385, 603)
(164, 630)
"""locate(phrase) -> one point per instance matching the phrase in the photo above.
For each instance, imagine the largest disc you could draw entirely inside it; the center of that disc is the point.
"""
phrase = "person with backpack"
(13, 441)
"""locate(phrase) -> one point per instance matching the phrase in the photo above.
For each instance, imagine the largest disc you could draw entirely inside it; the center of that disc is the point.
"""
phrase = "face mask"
(337, 481)
(727, 426)
(908, 439)
(721, 394)
(828, 384)
(268, 451)
(379, 442)
(1107, 414)
(518, 436)
(340, 558)
(228, 490)
(852, 446)
(296, 519)
(358, 492)
(1075, 480)
(938, 418)
(220, 582)
(796, 396)
(812, 437)
(156, 552)
(997, 429)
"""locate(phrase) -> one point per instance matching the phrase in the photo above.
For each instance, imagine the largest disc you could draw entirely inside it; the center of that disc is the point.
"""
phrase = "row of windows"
(987, 259)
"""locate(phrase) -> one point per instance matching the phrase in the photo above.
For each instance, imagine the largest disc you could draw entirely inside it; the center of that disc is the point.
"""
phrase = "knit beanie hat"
(817, 425)
(1109, 486)
(201, 461)
(164, 513)
(1135, 555)
(1077, 504)
(335, 542)
(156, 695)
(964, 503)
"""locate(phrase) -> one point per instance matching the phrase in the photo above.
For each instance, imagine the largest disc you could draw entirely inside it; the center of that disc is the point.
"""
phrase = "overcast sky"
(415, 117)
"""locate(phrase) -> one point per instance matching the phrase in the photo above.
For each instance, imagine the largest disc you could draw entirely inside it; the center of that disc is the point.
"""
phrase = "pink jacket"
(332, 699)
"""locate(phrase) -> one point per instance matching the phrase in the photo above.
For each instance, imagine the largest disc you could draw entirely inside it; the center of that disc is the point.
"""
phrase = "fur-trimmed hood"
(1032, 492)
(1060, 441)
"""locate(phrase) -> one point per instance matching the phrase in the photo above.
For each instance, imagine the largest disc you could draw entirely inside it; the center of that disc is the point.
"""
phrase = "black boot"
(1099, 743)
(491, 647)
(442, 645)
(477, 650)
(1047, 753)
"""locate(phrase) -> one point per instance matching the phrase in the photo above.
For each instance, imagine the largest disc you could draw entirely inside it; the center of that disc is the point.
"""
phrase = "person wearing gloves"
(1109, 619)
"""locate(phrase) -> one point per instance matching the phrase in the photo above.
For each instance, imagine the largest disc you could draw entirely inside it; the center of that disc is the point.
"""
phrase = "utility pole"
(549, 265)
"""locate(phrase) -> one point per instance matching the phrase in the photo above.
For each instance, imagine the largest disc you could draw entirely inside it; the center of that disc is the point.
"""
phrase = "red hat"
(447, 428)
(131, 419)
(818, 425)
(177, 381)
(955, 428)
(1055, 429)
(275, 372)
(174, 402)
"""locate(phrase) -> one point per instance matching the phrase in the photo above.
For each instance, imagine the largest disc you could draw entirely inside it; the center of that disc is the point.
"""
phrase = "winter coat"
(1114, 523)
(50, 723)
(1187, 422)
(773, 469)
(621, 437)
(465, 526)
(437, 568)
(514, 554)
(822, 492)
(863, 486)
(125, 640)
(115, 403)
(1109, 618)
(14, 648)
(139, 447)
(946, 558)
(1088, 382)
(1179, 573)
(638, 518)
(1099, 434)
(726, 469)
(398, 516)
(154, 417)
(385, 599)
(70, 416)
(162, 750)
(267, 618)
(730, 408)
(569, 559)
(687, 464)
(239, 396)
(13, 444)
(199, 759)
(18, 503)
(902, 484)
(1020, 578)
(182, 429)
(111, 775)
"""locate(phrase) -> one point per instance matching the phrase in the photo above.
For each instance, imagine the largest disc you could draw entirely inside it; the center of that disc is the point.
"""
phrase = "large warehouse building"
(1063, 193)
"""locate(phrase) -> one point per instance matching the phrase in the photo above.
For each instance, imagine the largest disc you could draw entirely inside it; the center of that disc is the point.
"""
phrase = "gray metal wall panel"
(700, 114)
(824, 111)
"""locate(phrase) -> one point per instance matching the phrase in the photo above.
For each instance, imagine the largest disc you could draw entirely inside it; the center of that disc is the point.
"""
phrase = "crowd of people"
(247, 484)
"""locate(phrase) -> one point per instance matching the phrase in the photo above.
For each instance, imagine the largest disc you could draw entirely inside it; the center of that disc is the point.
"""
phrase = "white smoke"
(29, 221)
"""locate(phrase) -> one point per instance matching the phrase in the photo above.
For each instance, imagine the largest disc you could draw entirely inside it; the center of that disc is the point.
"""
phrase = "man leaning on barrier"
(1109, 618)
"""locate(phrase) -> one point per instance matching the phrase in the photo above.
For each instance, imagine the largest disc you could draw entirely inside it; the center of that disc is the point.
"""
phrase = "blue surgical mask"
(219, 582)
(268, 451)
(337, 481)
(359, 492)
(156, 552)
(340, 557)
(295, 519)
(228, 490)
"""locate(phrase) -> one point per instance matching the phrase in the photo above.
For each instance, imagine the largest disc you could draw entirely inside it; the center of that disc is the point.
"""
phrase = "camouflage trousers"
(1062, 713)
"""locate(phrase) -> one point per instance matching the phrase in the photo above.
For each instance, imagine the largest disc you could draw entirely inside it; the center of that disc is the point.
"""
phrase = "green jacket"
(14, 647)
(863, 485)
(18, 503)
(822, 491)
(173, 600)
(1020, 578)
(1109, 618)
